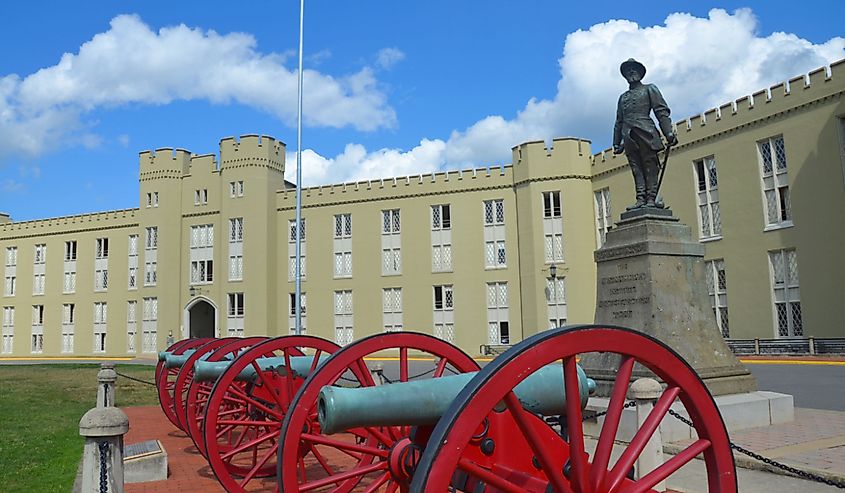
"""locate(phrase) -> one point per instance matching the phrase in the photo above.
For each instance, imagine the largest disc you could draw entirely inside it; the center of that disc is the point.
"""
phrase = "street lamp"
(553, 271)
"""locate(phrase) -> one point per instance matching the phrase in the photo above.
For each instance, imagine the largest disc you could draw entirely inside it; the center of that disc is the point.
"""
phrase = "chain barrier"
(779, 465)
(135, 379)
(104, 452)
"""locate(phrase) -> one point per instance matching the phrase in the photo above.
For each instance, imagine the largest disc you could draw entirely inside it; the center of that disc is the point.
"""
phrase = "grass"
(40, 408)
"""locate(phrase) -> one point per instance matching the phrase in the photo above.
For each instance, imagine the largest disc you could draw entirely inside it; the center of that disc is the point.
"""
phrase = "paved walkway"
(814, 442)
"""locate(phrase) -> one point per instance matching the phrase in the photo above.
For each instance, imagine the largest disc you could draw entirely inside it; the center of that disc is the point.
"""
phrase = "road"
(815, 386)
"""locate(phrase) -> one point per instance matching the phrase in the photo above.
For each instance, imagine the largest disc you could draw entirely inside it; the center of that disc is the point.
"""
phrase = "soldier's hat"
(632, 63)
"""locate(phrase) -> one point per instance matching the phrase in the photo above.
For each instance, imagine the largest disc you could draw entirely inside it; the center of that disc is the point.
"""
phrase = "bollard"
(377, 371)
(102, 455)
(645, 392)
(105, 385)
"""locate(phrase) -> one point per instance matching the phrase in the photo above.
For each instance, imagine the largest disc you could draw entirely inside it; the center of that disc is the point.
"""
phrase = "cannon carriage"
(322, 421)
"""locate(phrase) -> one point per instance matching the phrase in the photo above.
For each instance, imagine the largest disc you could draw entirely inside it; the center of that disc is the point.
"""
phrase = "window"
(131, 325)
(155, 199)
(552, 227)
(102, 248)
(151, 238)
(8, 329)
(11, 256)
(494, 234)
(202, 271)
(292, 249)
(785, 293)
(497, 313)
(201, 196)
(551, 204)
(342, 245)
(9, 288)
(556, 300)
(40, 254)
(149, 199)
(392, 309)
(235, 318)
(38, 284)
(236, 249)
(707, 198)
(150, 256)
(603, 214)
(717, 288)
(292, 316)
(201, 254)
(68, 321)
(343, 328)
(133, 261)
(149, 325)
(441, 238)
(101, 279)
(444, 313)
(775, 182)
(37, 335)
(236, 189)
(69, 282)
(70, 250)
(391, 243)
(100, 325)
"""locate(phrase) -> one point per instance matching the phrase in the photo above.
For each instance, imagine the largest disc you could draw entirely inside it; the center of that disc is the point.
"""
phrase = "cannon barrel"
(177, 360)
(162, 355)
(422, 402)
(209, 371)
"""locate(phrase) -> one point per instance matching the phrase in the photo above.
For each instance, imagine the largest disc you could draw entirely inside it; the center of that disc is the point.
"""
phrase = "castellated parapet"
(792, 95)
(567, 157)
(252, 150)
(65, 224)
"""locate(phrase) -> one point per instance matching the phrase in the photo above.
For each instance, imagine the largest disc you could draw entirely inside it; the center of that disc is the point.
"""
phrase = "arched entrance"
(202, 319)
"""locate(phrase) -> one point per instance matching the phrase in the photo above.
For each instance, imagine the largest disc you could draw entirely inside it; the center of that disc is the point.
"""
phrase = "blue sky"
(392, 88)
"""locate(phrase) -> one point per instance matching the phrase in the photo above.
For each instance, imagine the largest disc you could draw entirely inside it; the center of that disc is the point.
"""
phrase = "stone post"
(106, 378)
(645, 392)
(102, 455)
(378, 373)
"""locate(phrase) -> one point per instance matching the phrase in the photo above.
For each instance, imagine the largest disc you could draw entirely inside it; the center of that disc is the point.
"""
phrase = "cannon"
(490, 435)
(165, 377)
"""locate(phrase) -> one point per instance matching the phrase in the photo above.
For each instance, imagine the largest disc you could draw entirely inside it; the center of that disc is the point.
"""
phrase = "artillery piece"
(448, 428)
(490, 435)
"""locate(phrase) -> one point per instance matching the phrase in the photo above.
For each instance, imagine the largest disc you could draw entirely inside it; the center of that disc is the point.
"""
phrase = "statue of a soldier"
(636, 135)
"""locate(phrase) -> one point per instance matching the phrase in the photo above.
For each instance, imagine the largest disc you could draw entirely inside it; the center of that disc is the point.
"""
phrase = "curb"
(746, 462)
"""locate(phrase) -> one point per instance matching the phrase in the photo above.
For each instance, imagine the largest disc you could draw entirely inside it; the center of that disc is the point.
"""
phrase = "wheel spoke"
(345, 446)
(667, 468)
(240, 447)
(322, 460)
(441, 367)
(315, 361)
(403, 364)
(534, 440)
(372, 488)
(270, 386)
(248, 399)
(638, 443)
(258, 465)
(488, 477)
(343, 476)
(577, 455)
(611, 423)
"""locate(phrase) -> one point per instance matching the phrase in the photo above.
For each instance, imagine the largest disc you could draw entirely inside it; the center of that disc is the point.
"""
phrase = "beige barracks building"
(464, 255)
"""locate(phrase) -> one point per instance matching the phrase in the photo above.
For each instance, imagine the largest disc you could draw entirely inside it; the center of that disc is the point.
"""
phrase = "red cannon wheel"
(448, 454)
(243, 419)
(160, 365)
(186, 375)
(360, 457)
(166, 377)
(199, 392)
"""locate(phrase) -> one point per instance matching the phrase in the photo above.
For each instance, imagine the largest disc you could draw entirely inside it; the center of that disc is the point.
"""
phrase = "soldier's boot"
(641, 201)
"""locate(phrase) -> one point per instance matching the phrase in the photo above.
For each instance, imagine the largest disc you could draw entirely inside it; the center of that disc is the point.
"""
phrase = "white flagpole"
(298, 223)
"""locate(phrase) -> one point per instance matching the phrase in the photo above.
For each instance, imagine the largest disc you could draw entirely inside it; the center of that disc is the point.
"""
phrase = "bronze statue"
(636, 135)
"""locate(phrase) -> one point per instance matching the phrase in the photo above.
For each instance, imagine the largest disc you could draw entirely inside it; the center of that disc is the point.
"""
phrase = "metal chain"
(792, 470)
(135, 379)
(104, 451)
(627, 405)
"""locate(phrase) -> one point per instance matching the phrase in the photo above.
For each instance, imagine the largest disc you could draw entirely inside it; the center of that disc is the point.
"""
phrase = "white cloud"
(698, 63)
(386, 58)
(130, 63)
(11, 186)
(123, 140)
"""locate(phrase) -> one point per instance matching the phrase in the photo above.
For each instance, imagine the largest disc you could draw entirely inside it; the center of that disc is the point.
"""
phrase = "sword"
(662, 169)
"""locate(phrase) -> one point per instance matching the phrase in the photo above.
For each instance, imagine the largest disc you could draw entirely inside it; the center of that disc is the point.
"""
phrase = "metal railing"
(788, 346)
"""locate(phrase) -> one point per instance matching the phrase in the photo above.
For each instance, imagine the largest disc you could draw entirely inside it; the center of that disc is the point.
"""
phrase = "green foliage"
(40, 407)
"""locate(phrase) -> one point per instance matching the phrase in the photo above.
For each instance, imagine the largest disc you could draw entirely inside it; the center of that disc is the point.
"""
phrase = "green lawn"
(40, 408)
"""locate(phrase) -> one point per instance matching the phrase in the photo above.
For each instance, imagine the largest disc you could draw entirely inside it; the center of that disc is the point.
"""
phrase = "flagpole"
(298, 223)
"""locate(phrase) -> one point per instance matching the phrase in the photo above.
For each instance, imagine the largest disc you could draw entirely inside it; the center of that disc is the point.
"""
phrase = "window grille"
(40, 254)
(149, 325)
(292, 249)
(8, 331)
(342, 245)
(707, 198)
(343, 317)
(100, 326)
(441, 238)
(236, 258)
(38, 281)
(68, 321)
(551, 204)
(497, 313)
(556, 301)
(102, 248)
(391, 253)
(131, 326)
(11, 256)
(392, 309)
(9, 288)
(444, 315)
(772, 153)
(717, 289)
(292, 312)
(70, 250)
(235, 317)
(70, 282)
(786, 293)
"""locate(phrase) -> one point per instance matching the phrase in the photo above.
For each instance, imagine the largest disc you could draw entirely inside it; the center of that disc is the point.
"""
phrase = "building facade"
(483, 256)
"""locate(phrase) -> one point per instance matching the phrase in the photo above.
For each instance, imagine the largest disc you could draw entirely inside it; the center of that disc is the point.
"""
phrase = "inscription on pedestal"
(622, 292)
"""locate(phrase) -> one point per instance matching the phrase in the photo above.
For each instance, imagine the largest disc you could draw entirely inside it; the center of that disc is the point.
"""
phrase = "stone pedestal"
(102, 454)
(651, 278)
